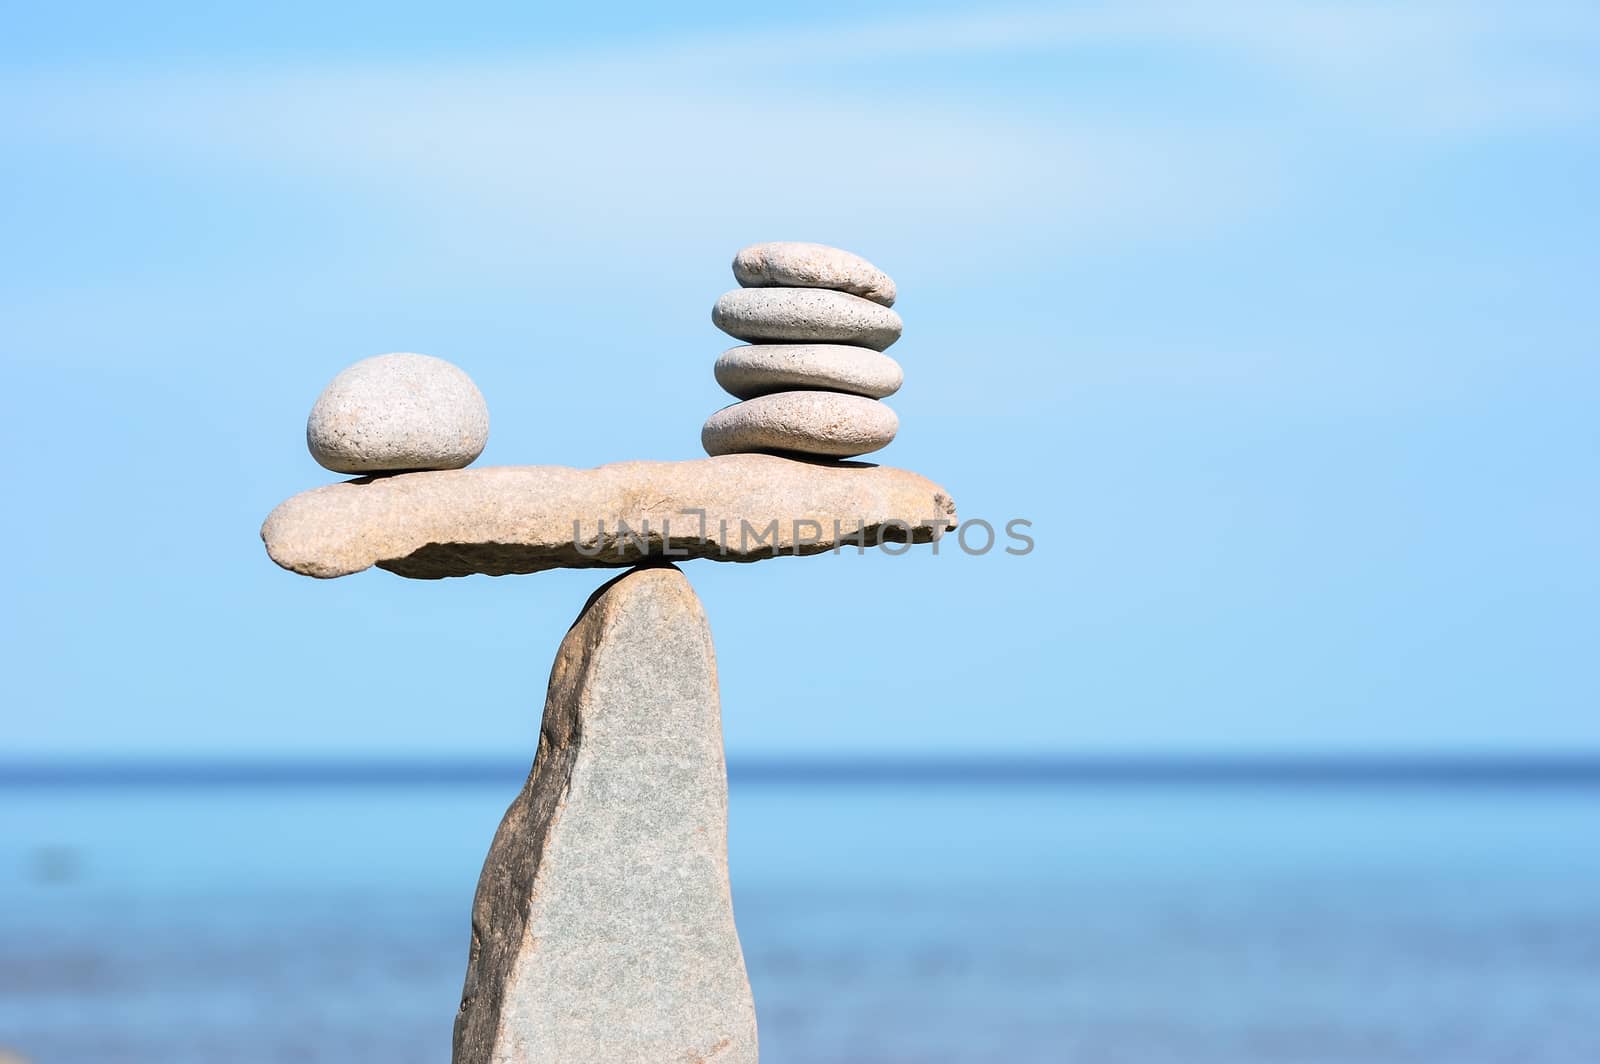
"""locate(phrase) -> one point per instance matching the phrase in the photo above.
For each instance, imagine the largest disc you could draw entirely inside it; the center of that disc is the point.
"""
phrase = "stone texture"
(805, 315)
(761, 369)
(816, 423)
(520, 519)
(792, 264)
(603, 925)
(398, 412)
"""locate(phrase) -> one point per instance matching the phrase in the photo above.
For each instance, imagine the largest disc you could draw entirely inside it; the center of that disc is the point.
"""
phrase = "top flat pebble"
(790, 264)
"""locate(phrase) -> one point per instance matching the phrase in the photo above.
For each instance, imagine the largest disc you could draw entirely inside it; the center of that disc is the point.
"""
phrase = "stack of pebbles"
(398, 413)
(816, 320)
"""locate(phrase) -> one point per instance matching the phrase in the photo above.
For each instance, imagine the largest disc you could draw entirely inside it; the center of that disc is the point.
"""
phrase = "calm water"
(1039, 923)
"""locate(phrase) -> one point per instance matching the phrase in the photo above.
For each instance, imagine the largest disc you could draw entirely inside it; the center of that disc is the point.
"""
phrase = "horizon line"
(1276, 769)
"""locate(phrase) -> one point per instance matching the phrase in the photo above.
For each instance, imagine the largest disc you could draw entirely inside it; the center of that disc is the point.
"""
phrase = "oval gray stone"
(761, 369)
(805, 315)
(398, 412)
(793, 264)
(818, 423)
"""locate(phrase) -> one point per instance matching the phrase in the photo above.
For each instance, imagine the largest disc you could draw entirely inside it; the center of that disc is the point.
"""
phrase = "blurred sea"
(1186, 921)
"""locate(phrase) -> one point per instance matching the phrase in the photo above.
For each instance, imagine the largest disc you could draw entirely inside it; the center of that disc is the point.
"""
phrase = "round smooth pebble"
(791, 264)
(392, 413)
(816, 423)
(761, 369)
(805, 315)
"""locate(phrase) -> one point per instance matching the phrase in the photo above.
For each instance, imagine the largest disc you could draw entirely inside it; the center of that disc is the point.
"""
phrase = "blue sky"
(1276, 320)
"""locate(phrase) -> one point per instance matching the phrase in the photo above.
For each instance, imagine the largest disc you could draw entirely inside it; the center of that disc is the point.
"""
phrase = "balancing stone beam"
(602, 931)
(526, 519)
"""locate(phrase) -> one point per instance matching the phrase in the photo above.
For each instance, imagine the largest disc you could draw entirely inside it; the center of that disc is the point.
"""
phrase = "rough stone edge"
(511, 868)
(436, 561)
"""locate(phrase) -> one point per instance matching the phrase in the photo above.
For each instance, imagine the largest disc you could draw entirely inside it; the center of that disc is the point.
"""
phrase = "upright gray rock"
(603, 925)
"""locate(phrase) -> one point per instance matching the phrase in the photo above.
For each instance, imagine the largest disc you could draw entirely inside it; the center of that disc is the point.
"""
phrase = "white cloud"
(754, 131)
(1456, 65)
(537, 146)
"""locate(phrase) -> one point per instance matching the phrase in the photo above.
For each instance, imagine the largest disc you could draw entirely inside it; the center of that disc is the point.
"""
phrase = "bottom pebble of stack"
(827, 424)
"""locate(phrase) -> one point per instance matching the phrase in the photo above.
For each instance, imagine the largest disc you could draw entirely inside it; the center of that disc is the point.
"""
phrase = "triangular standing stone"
(603, 924)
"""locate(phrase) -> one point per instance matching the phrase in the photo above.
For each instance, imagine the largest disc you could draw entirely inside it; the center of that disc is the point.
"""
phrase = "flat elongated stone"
(525, 519)
(818, 423)
(795, 264)
(761, 369)
(603, 925)
(805, 315)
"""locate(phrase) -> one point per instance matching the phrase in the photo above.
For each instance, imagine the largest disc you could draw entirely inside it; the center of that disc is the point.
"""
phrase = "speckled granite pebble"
(398, 412)
(805, 315)
(761, 369)
(817, 423)
(793, 264)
